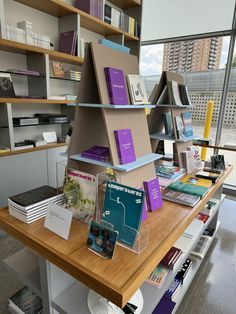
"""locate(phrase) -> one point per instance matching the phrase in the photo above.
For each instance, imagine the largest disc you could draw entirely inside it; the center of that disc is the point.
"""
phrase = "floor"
(213, 290)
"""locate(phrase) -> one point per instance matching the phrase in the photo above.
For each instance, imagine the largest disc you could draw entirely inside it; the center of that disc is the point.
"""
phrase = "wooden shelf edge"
(14, 46)
(35, 101)
(30, 150)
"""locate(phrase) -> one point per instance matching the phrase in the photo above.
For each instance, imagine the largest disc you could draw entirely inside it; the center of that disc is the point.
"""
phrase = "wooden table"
(115, 279)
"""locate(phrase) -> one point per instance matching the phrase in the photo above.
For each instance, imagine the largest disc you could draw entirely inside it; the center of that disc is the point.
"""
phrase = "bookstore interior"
(85, 142)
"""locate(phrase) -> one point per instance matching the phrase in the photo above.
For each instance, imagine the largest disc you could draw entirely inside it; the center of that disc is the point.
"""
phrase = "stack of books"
(97, 152)
(170, 259)
(168, 174)
(25, 121)
(194, 229)
(25, 72)
(15, 33)
(210, 207)
(25, 301)
(51, 118)
(29, 35)
(32, 205)
(73, 75)
(41, 40)
(202, 246)
(130, 25)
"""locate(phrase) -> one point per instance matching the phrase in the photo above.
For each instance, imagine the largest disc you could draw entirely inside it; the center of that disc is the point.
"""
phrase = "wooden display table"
(115, 279)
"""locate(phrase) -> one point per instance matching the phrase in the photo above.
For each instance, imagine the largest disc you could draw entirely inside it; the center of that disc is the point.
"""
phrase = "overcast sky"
(151, 57)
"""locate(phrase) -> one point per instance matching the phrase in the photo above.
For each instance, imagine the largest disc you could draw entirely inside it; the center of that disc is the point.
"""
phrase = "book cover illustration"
(6, 86)
(153, 193)
(80, 191)
(191, 179)
(157, 277)
(57, 69)
(137, 89)
(173, 288)
(116, 86)
(122, 210)
(125, 145)
(179, 127)
(188, 188)
(27, 301)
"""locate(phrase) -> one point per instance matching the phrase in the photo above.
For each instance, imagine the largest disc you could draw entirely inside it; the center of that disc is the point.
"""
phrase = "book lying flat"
(191, 179)
(194, 229)
(179, 197)
(165, 306)
(188, 188)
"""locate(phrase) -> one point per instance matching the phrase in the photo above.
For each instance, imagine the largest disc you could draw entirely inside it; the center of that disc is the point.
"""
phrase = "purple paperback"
(165, 305)
(153, 194)
(97, 152)
(144, 212)
(67, 42)
(116, 86)
(125, 146)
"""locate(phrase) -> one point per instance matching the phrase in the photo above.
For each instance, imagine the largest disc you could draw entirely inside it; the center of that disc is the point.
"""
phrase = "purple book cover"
(165, 306)
(153, 193)
(84, 5)
(98, 152)
(67, 42)
(116, 86)
(125, 146)
(144, 212)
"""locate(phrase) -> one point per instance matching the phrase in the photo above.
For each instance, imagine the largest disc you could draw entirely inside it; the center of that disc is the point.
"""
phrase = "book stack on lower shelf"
(25, 301)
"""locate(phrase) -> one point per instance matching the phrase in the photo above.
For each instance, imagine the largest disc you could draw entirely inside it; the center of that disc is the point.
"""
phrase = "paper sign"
(58, 220)
(50, 137)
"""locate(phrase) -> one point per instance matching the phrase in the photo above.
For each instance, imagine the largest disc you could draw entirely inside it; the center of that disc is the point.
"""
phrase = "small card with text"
(58, 220)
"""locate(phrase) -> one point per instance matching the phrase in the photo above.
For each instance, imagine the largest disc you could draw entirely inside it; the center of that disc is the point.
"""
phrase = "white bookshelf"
(153, 295)
(24, 264)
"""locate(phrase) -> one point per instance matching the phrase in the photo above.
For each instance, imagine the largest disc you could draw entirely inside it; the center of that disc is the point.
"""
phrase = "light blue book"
(111, 44)
(122, 211)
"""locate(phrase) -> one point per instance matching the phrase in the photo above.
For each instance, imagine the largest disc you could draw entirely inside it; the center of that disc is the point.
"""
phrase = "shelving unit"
(25, 265)
(34, 101)
(153, 295)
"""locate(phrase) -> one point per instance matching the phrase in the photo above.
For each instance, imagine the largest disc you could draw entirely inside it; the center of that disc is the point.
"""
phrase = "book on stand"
(153, 194)
(137, 89)
(125, 146)
(116, 86)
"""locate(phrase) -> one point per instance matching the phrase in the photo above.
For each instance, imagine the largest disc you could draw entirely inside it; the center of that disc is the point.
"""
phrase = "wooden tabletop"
(115, 279)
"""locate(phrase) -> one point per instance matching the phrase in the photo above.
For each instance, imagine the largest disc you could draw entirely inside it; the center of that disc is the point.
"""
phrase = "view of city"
(202, 63)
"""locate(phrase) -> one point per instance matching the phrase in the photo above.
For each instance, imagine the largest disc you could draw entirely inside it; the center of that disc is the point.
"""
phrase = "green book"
(188, 188)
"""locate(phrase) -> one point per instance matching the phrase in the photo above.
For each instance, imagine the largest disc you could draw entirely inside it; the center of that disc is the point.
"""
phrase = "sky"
(151, 58)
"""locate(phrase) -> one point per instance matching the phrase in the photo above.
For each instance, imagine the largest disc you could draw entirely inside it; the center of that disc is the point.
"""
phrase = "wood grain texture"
(60, 8)
(17, 47)
(34, 101)
(119, 278)
(29, 150)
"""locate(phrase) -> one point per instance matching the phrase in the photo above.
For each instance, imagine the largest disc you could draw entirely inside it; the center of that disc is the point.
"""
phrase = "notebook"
(180, 198)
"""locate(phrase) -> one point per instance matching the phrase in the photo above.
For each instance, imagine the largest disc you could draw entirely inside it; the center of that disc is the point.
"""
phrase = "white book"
(137, 89)
(175, 93)
(194, 229)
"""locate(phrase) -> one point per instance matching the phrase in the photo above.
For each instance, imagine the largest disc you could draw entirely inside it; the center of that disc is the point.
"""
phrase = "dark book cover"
(171, 257)
(172, 289)
(84, 5)
(34, 196)
(184, 270)
(167, 117)
(107, 14)
(67, 42)
(125, 146)
(165, 306)
(6, 86)
(116, 86)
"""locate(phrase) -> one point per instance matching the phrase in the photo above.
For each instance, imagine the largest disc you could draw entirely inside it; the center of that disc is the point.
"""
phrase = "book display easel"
(156, 121)
(95, 126)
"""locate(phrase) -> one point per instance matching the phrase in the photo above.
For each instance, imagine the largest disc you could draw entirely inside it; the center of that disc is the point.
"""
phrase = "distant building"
(192, 55)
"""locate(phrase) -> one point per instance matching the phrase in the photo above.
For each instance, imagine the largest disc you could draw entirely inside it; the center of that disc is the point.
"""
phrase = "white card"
(50, 137)
(58, 220)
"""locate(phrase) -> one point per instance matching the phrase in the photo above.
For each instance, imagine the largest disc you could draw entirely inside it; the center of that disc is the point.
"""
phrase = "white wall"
(174, 18)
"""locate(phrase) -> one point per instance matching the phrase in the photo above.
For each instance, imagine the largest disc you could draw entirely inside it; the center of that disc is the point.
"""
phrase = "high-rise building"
(192, 55)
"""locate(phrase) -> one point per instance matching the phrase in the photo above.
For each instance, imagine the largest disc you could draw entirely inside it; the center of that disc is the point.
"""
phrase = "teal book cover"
(188, 188)
(123, 210)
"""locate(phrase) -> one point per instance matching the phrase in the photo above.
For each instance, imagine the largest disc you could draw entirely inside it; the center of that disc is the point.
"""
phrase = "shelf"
(35, 101)
(38, 124)
(153, 295)
(21, 74)
(163, 136)
(24, 264)
(174, 107)
(114, 106)
(60, 8)
(63, 79)
(196, 263)
(141, 161)
(17, 47)
(30, 150)
(73, 300)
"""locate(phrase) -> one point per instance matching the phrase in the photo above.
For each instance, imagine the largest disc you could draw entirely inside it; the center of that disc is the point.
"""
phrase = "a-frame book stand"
(96, 120)
(156, 121)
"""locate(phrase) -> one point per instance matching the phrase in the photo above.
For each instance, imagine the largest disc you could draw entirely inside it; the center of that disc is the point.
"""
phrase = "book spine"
(118, 145)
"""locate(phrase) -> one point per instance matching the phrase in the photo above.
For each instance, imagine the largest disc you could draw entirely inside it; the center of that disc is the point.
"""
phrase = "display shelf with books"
(153, 295)
(25, 265)
(114, 106)
(196, 263)
(141, 161)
